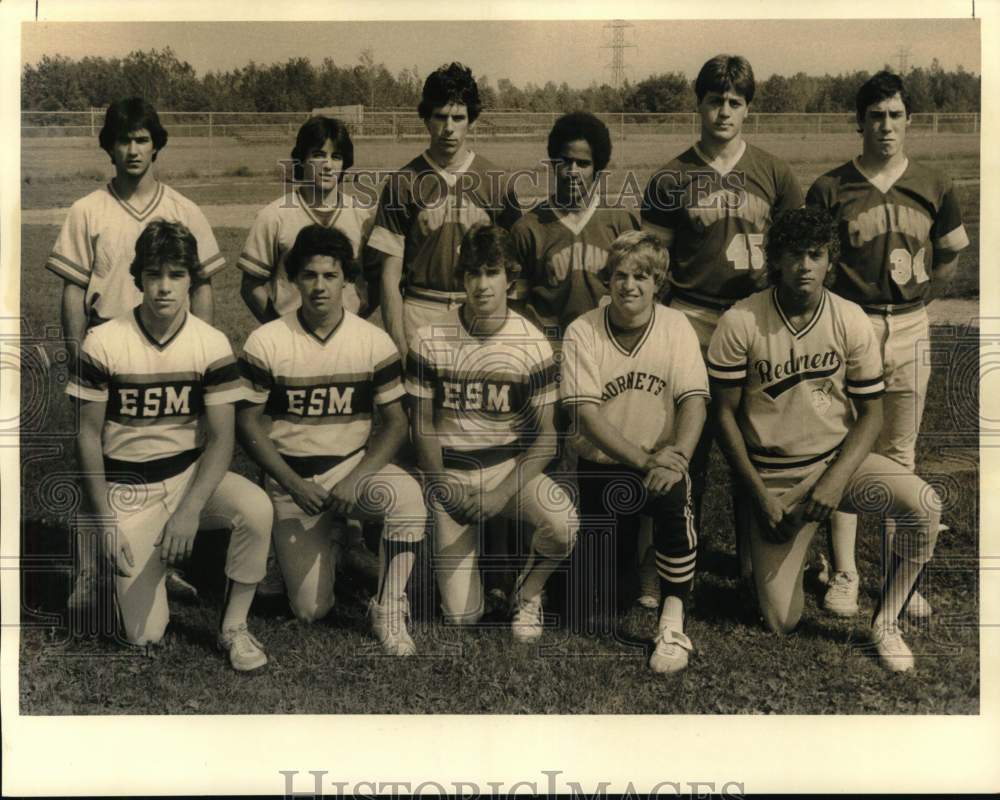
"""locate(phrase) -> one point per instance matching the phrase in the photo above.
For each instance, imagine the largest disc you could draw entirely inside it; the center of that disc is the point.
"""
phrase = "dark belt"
(479, 459)
(308, 466)
(138, 472)
(717, 305)
(888, 309)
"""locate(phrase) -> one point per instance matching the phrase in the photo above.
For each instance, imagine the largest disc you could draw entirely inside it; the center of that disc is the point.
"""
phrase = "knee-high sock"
(395, 567)
(238, 600)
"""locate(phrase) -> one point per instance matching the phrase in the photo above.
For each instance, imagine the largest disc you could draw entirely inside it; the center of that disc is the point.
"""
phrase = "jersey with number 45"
(717, 221)
(888, 239)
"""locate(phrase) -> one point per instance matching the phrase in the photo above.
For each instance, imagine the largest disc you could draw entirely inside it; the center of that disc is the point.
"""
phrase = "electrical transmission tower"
(903, 54)
(617, 47)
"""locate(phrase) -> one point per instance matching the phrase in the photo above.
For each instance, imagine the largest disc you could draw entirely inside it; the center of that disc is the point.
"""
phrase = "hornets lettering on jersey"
(637, 380)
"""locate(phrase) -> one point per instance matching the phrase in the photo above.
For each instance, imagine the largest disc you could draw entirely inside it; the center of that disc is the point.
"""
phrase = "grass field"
(331, 667)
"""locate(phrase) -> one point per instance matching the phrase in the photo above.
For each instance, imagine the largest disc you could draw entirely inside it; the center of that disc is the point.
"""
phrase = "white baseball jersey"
(273, 234)
(486, 389)
(320, 392)
(96, 245)
(156, 393)
(797, 384)
(638, 390)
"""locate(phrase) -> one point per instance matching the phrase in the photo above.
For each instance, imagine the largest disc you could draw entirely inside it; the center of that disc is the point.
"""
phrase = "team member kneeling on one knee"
(157, 387)
(318, 372)
(797, 383)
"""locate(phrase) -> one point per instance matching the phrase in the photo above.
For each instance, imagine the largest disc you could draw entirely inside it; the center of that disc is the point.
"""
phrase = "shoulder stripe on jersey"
(954, 241)
(579, 399)
(253, 266)
(723, 368)
(726, 381)
(213, 265)
(875, 390)
(866, 382)
(385, 241)
(419, 369)
(222, 378)
(92, 374)
(62, 265)
(254, 372)
(691, 393)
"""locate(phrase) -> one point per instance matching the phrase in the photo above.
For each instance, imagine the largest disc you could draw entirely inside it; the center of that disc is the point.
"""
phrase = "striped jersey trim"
(817, 314)
(954, 240)
(614, 341)
(872, 387)
(789, 462)
(68, 270)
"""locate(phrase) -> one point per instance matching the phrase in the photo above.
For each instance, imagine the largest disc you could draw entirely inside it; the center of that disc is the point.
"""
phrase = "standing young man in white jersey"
(797, 386)
(713, 204)
(319, 372)
(484, 383)
(900, 235)
(96, 245)
(323, 152)
(563, 242)
(427, 206)
(157, 387)
(635, 382)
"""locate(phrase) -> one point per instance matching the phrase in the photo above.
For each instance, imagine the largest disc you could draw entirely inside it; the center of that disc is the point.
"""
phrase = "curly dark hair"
(313, 134)
(127, 115)
(486, 244)
(315, 240)
(880, 86)
(797, 231)
(725, 73)
(163, 242)
(450, 83)
(581, 125)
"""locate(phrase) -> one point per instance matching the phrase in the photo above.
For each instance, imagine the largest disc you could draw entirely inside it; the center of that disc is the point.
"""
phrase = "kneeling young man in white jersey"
(157, 387)
(797, 381)
(484, 379)
(319, 372)
(634, 381)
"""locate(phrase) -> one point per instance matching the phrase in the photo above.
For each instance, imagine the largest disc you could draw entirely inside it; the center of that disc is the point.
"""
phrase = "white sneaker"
(388, 621)
(245, 652)
(841, 596)
(527, 625)
(893, 652)
(671, 652)
(650, 601)
(918, 608)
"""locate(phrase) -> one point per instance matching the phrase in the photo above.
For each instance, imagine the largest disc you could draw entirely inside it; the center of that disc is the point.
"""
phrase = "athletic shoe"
(841, 596)
(388, 621)
(650, 601)
(360, 560)
(892, 650)
(918, 608)
(273, 584)
(497, 602)
(671, 652)
(527, 624)
(180, 589)
(245, 652)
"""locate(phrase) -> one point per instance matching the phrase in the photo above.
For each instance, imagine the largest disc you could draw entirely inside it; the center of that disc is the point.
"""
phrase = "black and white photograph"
(484, 403)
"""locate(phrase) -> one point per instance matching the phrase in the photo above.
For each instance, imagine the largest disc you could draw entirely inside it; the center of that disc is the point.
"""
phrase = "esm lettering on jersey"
(633, 381)
(885, 218)
(320, 401)
(150, 402)
(578, 257)
(726, 204)
(777, 378)
(476, 396)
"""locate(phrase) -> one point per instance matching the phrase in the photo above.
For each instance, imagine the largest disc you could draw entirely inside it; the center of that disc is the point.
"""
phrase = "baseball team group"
(447, 358)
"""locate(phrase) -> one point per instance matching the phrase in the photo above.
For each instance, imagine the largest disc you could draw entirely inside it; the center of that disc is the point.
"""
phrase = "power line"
(903, 54)
(617, 47)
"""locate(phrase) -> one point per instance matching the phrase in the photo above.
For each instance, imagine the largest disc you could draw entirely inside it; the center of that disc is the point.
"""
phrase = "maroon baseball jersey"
(888, 239)
(718, 221)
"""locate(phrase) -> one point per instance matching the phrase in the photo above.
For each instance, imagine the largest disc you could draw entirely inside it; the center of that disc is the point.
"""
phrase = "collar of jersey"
(881, 182)
(152, 339)
(450, 175)
(305, 326)
(788, 324)
(137, 214)
(642, 339)
(311, 213)
(577, 225)
(708, 161)
(479, 337)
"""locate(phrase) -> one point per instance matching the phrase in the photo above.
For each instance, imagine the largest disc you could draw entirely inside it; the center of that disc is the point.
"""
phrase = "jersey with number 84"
(888, 239)
(717, 221)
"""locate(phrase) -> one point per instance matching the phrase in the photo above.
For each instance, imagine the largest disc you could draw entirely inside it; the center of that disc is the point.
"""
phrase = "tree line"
(58, 83)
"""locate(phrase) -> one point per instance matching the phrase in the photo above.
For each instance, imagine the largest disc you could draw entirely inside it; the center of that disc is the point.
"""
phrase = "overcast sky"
(535, 51)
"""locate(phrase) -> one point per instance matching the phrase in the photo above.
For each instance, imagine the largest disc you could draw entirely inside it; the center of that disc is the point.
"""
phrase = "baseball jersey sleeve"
(524, 245)
(259, 255)
(789, 192)
(221, 380)
(387, 377)
(421, 372)
(392, 219)
(510, 209)
(581, 378)
(688, 364)
(255, 370)
(948, 233)
(661, 202)
(93, 372)
(728, 349)
(72, 257)
(820, 194)
(864, 371)
(543, 378)
(208, 249)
